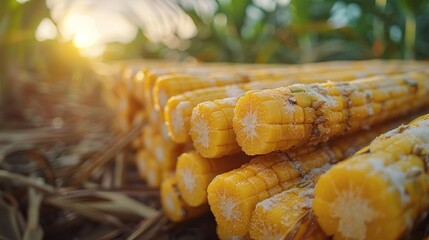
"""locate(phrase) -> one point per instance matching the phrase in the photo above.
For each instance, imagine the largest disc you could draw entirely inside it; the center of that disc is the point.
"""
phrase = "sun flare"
(82, 29)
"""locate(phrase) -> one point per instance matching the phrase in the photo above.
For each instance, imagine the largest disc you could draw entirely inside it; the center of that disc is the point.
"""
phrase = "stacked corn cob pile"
(203, 124)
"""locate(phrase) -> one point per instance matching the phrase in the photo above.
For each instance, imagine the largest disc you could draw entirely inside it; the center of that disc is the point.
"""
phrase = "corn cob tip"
(194, 173)
(379, 193)
(154, 173)
(354, 213)
(200, 130)
(176, 114)
(231, 213)
(251, 114)
(174, 207)
(211, 128)
(141, 162)
(187, 179)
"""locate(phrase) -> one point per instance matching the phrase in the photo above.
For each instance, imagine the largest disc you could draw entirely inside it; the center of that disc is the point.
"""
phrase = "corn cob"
(166, 152)
(315, 68)
(151, 76)
(282, 118)
(179, 107)
(194, 173)
(142, 160)
(274, 217)
(154, 174)
(360, 69)
(224, 235)
(306, 228)
(127, 109)
(149, 133)
(138, 88)
(178, 110)
(210, 125)
(233, 195)
(382, 191)
(213, 139)
(170, 85)
(288, 75)
(161, 153)
(174, 206)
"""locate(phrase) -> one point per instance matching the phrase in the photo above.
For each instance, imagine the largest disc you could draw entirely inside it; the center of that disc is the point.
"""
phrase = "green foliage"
(311, 30)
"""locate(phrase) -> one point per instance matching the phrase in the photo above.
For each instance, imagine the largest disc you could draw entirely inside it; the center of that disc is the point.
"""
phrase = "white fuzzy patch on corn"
(395, 176)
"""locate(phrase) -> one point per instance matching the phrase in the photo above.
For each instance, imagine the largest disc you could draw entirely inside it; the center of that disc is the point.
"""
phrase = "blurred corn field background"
(59, 60)
(38, 44)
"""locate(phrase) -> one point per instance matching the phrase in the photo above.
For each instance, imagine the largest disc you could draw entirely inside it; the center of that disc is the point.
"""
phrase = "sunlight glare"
(83, 30)
(46, 30)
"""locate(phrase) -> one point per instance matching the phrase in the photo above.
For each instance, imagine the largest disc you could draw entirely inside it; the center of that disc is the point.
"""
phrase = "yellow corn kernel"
(174, 206)
(276, 216)
(379, 193)
(233, 195)
(194, 173)
(283, 118)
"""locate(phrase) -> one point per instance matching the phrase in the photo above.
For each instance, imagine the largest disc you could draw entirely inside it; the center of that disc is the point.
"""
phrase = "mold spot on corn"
(354, 213)
(394, 175)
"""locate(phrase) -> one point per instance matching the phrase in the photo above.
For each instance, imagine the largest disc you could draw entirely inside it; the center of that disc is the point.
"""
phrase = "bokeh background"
(52, 45)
